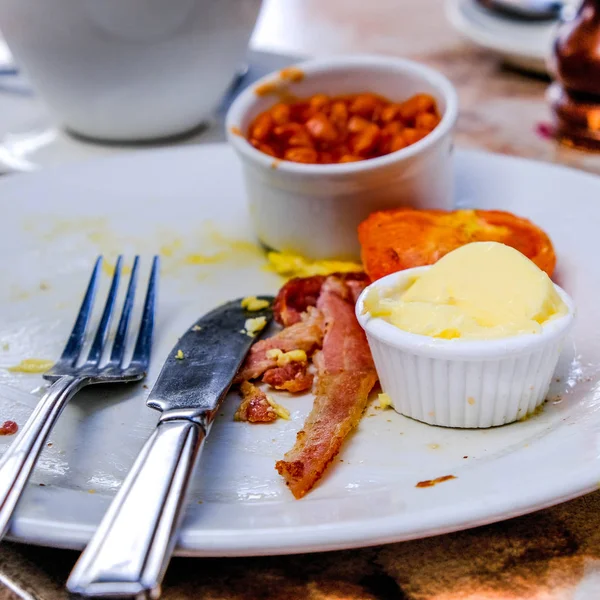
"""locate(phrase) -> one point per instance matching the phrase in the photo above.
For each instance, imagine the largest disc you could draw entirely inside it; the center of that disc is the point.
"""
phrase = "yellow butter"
(483, 290)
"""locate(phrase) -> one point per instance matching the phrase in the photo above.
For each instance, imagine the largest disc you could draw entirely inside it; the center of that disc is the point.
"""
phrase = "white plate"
(523, 44)
(191, 200)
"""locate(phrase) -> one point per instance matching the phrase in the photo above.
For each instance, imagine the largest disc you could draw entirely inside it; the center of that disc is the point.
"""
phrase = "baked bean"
(364, 105)
(426, 121)
(358, 124)
(341, 129)
(364, 142)
(262, 126)
(301, 155)
(390, 113)
(338, 114)
(281, 113)
(397, 143)
(318, 102)
(321, 129)
(410, 108)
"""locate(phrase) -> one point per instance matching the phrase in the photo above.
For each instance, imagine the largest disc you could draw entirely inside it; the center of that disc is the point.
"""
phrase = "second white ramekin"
(463, 383)
(314, 210)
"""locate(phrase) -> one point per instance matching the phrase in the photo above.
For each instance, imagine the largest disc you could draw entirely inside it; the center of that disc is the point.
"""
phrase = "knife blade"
(129, 553)
(201, 366)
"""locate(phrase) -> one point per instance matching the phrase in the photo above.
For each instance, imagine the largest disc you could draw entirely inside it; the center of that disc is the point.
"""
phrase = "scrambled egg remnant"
(32, 365)
(384, 401)
(293, 265)
(179, 355)
(285, 358)
(254, 326)
(252, 303)
(281, 411)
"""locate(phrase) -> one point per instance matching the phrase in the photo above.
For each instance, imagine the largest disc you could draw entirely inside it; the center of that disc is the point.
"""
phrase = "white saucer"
(522, 44)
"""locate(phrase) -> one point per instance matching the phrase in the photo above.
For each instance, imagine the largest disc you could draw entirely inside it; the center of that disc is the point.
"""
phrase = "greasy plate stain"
(431, 482)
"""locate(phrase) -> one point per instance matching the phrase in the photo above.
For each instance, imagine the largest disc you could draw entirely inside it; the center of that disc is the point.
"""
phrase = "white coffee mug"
(129, 70)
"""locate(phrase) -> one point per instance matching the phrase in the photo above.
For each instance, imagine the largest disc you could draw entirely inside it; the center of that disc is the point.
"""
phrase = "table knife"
(129, 553)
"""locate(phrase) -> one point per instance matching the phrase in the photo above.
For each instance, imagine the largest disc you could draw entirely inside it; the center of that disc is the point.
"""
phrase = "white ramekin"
(463, 383)
(314, 210)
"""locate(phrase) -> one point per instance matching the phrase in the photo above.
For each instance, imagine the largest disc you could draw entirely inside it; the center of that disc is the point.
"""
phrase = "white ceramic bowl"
(463, 383)
(314, 210)
(129, 70)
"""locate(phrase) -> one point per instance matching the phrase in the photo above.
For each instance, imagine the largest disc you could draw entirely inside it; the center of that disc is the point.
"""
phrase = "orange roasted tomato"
(398, 239)
(323, 129)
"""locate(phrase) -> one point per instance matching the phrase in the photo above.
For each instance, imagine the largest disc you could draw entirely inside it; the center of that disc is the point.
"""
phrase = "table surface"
(551, 555)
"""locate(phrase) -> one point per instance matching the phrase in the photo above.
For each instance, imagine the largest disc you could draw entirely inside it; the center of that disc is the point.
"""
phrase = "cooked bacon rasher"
(345, 376)
(318, 317)
(306, 334)
(254, 407)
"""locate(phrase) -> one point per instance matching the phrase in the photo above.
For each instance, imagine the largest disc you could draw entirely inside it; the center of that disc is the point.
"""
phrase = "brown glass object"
(575, 95)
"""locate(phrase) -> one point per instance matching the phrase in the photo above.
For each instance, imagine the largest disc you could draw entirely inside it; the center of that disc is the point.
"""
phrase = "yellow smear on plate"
(31, 365)
(291, 265)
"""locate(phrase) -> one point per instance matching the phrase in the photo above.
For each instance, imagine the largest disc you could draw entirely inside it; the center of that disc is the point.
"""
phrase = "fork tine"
(77, 336)
(118, 348)
(143, 344)
(95, 353)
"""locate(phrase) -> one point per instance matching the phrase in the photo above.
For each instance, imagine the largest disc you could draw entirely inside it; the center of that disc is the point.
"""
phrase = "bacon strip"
(346, 375)
(254, 407)
(298, 294)
(305, 335)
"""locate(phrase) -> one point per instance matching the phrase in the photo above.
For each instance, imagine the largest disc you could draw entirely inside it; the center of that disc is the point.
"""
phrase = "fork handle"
(129, 553)
(20, 458)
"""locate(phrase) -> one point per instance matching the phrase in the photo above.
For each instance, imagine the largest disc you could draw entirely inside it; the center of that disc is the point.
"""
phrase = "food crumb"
(92, 491)
(254, 326)
(179, 355)
(281, 411)
(145, 386)
(432, 482)
(44, 286)
(9, 428)
(200, 501)
(6, 346)
(384, 400)
(465, 457)
(433, 446)
(42, 484)
(252, 303)
(196, 328)
(49, 444)
(471, 400)
(236, 131)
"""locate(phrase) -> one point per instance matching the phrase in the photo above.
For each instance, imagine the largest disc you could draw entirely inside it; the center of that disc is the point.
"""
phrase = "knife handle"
(129, 553)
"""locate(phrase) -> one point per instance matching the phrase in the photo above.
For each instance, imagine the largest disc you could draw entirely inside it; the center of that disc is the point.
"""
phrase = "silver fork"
(73, 371)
